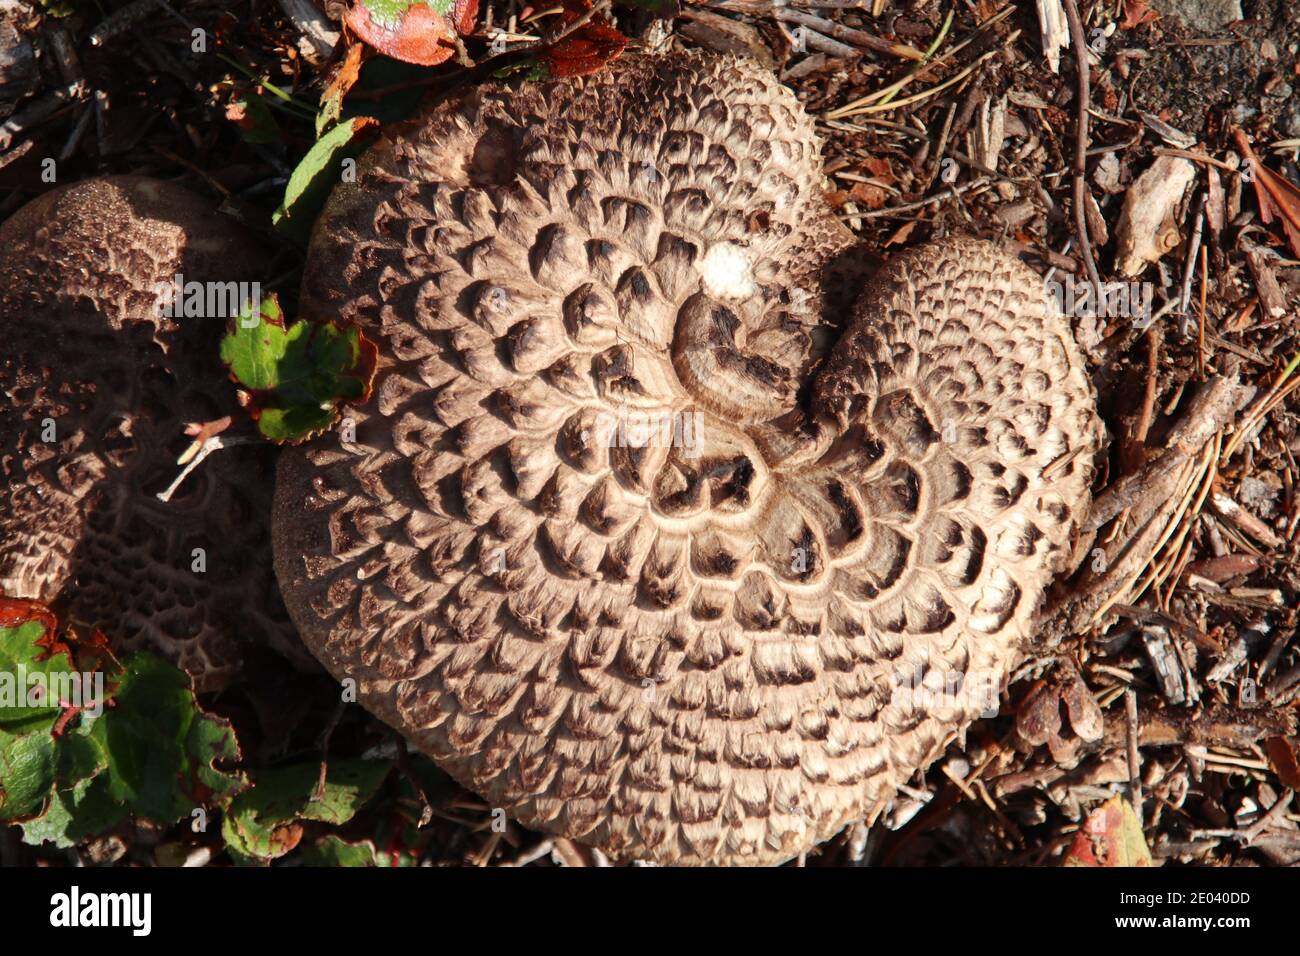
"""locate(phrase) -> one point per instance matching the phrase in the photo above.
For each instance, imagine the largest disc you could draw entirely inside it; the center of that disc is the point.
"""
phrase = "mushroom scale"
(642, 535)
(96, 386)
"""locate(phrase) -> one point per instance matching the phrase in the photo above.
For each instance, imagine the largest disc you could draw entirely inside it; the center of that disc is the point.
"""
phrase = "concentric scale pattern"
(643, 536)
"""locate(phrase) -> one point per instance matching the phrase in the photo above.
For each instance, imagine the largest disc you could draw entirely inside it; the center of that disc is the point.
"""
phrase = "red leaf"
(463, 16)
(879, 168)
(1278, 197)
(345, 76)
(902, 234)
(871, 196)
(588, 48)
(15, 612)
(237, 113)
(1136, 13)
(1110, 837)
(419, 34)
(1282, 756)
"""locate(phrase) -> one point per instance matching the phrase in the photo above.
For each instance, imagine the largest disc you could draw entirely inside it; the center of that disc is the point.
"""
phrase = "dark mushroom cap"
(679, 638)
(89, 354)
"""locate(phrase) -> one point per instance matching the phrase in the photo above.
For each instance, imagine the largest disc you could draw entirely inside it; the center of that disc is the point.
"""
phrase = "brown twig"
(1079, 41)
(1157, 494)
(122, 20)
(1133, 457)
(318, 33)
(950, 193)
(1200, 338)
(1248, 835)
(326, 736)
(1220, 725)
(1134, 758)
(1193, 249)
(197, 170)
(40, 110)
(600, 6)
(838, 31)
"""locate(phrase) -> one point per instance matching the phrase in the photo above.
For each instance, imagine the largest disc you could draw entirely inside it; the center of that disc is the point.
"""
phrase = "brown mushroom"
(626, 540)
(96, 385)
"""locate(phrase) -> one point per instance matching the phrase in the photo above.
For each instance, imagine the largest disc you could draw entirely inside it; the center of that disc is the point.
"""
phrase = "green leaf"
(334, 851)
(26, 772)
(264, 823)
(389, 13)
(160, 747)
(126, 740)
(150, 755)
(23, 673)
(318, 172)
(35, 670)
(254, 347)
(293, 378)
(75, 814)
(257, 124)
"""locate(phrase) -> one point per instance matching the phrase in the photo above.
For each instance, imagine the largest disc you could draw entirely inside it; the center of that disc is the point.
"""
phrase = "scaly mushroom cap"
(96, 386)
(598, 548)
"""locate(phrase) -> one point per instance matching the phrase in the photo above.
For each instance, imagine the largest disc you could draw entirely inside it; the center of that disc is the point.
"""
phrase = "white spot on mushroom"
(727, 272)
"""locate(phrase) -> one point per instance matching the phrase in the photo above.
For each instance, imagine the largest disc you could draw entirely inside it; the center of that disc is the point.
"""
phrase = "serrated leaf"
(29, 658)
(33, 666)
(75, 814)
(318, 172)
(294, 378)
(21, 675)
(160, 748)
(131, 740)
(264, 823)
